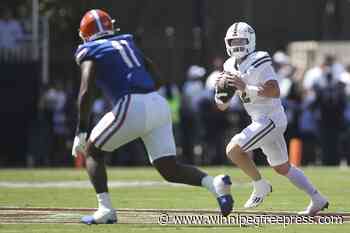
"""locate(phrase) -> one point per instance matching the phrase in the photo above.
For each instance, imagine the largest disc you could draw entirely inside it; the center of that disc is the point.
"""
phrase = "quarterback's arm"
(270, 89)
(86, 95)
(154, 71)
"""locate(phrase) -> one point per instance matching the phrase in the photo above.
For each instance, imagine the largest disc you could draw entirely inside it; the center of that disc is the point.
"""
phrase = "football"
(224, 91)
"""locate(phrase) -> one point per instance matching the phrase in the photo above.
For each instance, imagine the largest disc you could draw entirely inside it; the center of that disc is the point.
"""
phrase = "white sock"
(258, 183)
(104, 202)
(298, 178)
(208, 183)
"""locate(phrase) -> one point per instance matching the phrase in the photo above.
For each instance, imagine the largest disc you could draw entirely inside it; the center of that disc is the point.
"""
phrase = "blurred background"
(308, 40)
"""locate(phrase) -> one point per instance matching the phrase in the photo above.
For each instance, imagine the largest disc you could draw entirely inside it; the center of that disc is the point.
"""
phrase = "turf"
(333, 182)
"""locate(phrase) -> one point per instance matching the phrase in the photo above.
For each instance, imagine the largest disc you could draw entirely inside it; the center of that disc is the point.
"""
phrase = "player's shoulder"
(259, 58)
(124, 36)
(81, 53)
(85, 51)
(260, 54)
(88, 50)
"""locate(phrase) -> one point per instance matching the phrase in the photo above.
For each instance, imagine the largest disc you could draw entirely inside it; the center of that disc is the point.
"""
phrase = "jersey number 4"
(126, 53)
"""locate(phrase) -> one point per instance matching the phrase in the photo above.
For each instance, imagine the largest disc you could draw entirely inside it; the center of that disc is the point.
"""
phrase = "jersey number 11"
(130, 59)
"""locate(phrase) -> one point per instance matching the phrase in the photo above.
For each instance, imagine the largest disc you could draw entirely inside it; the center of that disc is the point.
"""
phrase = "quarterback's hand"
(238, 83)
(79, 144)
(224, 80)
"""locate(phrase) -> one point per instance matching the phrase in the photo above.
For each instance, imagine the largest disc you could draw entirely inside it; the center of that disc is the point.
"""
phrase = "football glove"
(224, 89)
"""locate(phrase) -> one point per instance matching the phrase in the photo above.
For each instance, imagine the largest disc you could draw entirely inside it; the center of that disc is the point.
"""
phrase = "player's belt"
(262, 133)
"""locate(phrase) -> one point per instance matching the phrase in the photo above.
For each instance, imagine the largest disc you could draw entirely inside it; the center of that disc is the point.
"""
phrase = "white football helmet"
(240, 40)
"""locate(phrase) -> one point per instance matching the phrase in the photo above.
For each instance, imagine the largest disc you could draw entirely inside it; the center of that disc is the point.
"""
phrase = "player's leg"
(115, 129)
(173, 171)
(95, 167)
(241, 159)
(277, 155)
(249, 139)
(160, 145)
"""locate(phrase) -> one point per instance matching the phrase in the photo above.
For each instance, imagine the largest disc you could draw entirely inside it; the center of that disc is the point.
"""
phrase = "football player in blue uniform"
(112, 62)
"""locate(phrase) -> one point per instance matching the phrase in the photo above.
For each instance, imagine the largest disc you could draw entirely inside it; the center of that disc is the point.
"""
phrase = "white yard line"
(86, 184)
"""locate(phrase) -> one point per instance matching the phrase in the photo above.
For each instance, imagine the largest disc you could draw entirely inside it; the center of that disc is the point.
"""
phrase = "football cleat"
(317, 204)
(261, 189)
(222, 184)
(105, 216)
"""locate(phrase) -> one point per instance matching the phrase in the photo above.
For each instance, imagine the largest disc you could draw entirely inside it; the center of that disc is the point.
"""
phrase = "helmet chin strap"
(82, 37)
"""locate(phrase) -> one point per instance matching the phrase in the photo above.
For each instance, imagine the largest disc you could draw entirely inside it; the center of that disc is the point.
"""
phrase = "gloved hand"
(79, 144)
(224, 88)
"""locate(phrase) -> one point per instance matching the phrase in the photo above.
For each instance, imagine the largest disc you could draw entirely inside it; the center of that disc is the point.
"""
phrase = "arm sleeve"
(266, 72)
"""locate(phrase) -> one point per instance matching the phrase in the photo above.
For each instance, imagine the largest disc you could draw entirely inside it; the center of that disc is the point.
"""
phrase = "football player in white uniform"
(251, 74)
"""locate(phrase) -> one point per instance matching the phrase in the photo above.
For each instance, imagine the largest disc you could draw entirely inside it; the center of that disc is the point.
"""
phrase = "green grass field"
(333, 182)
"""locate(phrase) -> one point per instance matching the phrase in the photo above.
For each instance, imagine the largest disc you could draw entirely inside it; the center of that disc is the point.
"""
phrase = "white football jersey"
(255, 70)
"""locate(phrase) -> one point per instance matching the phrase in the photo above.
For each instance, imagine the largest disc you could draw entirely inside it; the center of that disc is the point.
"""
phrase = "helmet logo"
(235, 29)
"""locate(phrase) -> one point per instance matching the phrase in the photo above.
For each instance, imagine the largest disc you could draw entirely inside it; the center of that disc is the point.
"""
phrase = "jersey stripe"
(98, 21)
(120, 124)
(260, 59)
(133, 56)
(262, 62)
(105, 131)
(235, 29)
(260, 137)
(120, 48)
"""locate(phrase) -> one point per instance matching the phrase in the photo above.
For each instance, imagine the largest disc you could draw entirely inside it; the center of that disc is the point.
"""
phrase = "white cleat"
(317, 204)
(261, 189)
(101, 216)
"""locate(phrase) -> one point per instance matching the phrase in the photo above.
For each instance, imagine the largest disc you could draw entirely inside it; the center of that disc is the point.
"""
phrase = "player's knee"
(93, 151)
(167, 168)
(233, 149)
(282, 169)
(169, 175)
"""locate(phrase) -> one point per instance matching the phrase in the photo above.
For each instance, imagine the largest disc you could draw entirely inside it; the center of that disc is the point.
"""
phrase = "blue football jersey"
(120, 67)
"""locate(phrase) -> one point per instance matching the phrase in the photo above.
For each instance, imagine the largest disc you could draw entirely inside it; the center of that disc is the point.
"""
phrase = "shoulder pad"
(259, 58)
(87, 51)
(123, 37)
(81, 53)
(260, 54)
